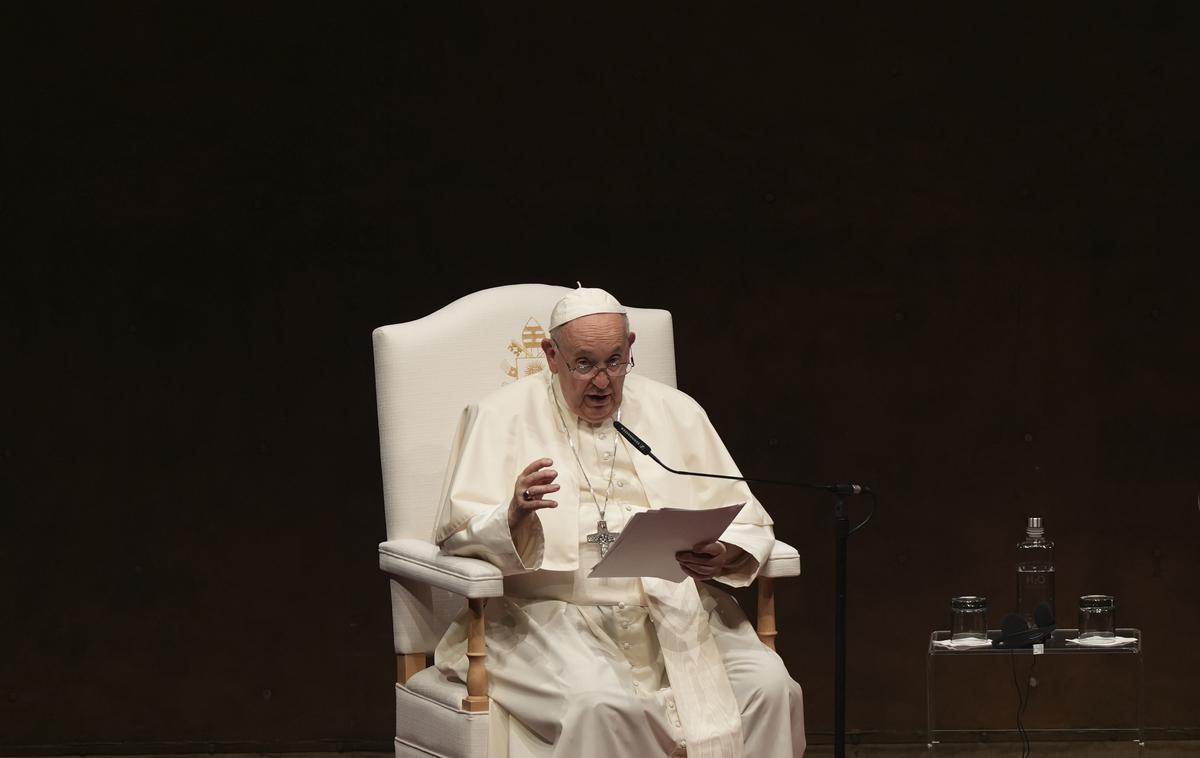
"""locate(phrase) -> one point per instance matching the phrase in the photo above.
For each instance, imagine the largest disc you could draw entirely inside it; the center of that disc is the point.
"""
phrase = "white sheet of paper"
(649, 541)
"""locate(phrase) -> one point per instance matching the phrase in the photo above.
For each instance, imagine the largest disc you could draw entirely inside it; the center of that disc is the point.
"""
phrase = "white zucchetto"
(585, 301)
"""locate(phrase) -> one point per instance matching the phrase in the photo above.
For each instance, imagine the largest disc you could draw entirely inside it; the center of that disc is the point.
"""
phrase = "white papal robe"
(611, 667)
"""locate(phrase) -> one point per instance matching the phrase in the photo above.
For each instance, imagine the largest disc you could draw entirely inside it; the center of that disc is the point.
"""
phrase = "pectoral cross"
(603, 537)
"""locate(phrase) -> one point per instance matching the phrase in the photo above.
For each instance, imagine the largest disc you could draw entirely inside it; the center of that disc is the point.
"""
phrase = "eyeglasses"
(585, 370)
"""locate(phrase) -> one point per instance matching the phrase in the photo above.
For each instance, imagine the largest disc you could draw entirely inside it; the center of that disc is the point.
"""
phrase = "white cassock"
(584, 667)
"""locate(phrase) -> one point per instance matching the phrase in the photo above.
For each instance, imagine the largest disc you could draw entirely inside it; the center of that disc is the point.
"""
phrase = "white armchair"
(426, 371)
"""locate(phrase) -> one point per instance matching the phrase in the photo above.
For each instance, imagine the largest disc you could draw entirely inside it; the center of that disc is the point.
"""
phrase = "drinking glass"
(1097, 616)
(968, 617)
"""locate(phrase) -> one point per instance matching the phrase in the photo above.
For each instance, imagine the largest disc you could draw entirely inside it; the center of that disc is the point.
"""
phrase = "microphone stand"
(842, 532)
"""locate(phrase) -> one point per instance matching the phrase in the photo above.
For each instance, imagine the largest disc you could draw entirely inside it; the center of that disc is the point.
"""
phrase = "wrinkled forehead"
(600, 332)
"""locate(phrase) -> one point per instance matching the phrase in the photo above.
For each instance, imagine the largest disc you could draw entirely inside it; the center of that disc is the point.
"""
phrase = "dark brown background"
(946, 249)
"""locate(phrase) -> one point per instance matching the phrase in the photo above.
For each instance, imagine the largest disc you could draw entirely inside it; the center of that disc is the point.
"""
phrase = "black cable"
(1023, 699)
(870, 513)
(1012, 657)
(1028, 685)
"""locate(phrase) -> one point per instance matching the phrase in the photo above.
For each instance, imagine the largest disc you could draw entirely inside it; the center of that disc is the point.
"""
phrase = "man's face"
(595, 340)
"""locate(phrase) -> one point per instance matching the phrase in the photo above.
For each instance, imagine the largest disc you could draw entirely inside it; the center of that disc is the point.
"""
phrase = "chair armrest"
(425, 562)
(783, 561)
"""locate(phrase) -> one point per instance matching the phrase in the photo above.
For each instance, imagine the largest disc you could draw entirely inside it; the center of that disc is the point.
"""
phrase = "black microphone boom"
(640, 445)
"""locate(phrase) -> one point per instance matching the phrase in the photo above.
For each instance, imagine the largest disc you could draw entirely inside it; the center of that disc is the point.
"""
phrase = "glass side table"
(992, 674)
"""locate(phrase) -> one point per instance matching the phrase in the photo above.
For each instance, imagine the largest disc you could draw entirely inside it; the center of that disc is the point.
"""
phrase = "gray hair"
(556, 331)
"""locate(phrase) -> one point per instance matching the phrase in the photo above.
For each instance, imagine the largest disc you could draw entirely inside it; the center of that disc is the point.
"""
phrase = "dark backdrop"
(947, 249)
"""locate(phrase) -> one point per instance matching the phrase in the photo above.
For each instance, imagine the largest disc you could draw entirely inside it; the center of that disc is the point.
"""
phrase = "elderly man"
(609, 667)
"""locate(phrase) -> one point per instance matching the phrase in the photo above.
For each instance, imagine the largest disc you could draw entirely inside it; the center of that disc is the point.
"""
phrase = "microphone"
(640, 445)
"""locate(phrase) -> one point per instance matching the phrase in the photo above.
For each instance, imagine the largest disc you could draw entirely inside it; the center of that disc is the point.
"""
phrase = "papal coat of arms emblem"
(528, 358)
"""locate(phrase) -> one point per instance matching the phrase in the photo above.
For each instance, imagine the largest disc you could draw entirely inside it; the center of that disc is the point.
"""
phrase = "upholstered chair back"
(426, 372)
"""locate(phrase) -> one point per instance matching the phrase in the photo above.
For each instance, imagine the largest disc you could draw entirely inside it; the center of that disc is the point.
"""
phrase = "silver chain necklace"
(602, 536)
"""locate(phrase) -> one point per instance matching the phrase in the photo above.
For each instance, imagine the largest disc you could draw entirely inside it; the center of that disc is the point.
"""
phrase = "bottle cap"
(1033, 527)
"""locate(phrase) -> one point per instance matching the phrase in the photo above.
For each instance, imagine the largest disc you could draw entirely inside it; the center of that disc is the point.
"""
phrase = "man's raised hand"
(534, 483)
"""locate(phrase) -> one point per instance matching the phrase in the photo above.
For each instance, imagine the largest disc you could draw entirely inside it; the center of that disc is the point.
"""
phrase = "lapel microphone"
(640, 445)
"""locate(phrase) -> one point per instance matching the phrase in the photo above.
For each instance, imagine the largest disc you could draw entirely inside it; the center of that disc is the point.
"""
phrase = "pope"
(539, 483)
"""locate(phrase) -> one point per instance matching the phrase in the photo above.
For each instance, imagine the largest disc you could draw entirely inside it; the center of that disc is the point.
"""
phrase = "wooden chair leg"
(408, 664)
(766, 611)
(476, 700)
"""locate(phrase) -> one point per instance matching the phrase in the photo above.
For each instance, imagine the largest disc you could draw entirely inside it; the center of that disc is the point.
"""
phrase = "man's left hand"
(708, 559)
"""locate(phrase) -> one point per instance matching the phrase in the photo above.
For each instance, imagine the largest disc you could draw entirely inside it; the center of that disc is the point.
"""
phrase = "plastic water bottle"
(1035, 571)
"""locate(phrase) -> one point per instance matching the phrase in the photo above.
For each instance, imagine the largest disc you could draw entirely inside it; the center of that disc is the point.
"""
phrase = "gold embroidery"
(528, 358)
